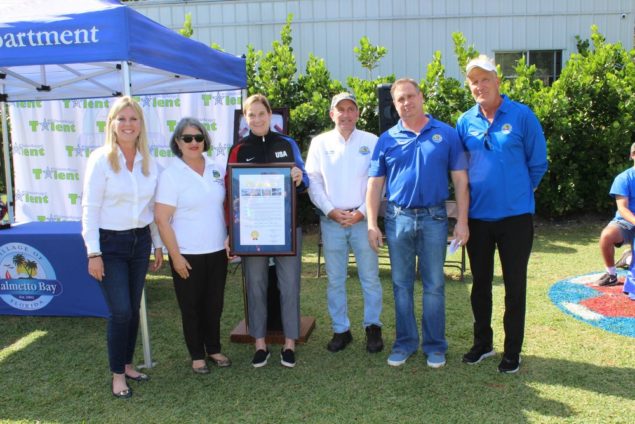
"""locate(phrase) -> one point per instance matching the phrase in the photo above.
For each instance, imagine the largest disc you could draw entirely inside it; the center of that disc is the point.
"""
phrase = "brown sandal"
(222, 362)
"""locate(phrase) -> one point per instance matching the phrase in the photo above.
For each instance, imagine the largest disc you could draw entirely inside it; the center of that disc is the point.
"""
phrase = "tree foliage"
(187, 30)
(588, 114)
(446, 98)
(588, 117)
(369, 55)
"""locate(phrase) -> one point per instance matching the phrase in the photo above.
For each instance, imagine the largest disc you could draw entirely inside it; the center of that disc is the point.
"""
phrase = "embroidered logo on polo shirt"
(216, 174)
(364, 150)
(437, 138)
(506, 128)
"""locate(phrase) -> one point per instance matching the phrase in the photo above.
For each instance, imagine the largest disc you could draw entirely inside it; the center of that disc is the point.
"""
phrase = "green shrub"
(588, 115)
(588, 118)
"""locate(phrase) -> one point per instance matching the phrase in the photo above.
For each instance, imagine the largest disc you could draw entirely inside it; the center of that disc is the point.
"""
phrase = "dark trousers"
(200, 299)
(126, 255)
(513, 236)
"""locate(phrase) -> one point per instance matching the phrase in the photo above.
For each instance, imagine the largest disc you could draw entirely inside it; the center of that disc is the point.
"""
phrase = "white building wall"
(410, 30)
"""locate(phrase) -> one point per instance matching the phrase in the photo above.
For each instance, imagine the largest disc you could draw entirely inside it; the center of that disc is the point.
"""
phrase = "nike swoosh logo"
(249, 159)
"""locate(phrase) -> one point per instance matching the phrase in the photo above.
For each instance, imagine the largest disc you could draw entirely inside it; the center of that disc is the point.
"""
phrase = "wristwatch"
(94, 255)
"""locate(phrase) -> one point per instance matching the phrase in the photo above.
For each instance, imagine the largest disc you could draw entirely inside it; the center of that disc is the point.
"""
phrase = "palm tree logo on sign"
(28, 281)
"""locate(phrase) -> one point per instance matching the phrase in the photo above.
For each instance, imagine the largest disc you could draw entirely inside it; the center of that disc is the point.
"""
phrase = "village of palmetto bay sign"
(27, 279)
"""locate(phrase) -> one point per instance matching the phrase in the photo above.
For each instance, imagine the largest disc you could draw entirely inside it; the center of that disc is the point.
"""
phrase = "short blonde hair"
(111, 137)
(256, 98)
(400, 81)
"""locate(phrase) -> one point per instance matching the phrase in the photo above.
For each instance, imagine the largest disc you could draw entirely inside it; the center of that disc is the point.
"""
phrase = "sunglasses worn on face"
(188, 138)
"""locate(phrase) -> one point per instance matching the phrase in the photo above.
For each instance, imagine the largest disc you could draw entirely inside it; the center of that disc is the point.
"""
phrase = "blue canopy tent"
(60, 49)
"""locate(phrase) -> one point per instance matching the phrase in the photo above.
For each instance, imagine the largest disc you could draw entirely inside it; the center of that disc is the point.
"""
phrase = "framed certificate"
(262, 209)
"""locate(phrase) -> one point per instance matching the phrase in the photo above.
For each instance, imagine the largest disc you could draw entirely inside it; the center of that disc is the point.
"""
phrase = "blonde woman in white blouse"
(118, 230)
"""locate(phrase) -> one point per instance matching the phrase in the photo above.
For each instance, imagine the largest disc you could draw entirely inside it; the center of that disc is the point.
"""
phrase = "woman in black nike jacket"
(262, 146)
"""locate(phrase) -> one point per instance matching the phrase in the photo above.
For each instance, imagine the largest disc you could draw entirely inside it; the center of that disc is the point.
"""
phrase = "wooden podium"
(240, 333)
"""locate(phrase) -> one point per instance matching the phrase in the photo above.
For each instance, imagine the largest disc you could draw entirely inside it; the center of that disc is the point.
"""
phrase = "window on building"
(548, 63)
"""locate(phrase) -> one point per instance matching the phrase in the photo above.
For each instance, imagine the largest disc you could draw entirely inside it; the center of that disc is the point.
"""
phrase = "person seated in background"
(622, 228)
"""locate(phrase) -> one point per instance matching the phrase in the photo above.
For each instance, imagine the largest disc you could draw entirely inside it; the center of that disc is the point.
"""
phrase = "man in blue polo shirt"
(413, 159)
(507, 158)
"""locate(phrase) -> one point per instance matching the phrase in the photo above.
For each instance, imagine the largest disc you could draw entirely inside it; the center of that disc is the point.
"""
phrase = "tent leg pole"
(143, 314)
(145, 334)
(7, 163)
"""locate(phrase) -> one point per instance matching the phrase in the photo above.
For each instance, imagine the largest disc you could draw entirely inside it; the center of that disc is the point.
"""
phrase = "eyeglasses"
(486, 141)
(187, 138)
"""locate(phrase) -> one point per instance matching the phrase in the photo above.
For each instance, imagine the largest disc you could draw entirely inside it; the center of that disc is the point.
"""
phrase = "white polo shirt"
(199, 219)
(338, 170)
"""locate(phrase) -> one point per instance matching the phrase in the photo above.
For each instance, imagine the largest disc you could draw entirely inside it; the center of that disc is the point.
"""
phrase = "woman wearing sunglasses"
(261, 146)
(118, 231)
(190, 216)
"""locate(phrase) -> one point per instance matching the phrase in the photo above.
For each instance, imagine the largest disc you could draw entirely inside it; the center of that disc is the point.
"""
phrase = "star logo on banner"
(145, 101)
(44, 125)
(78, 150)
(19, 195)
(77, 103)
(48, 173)
(218, 100)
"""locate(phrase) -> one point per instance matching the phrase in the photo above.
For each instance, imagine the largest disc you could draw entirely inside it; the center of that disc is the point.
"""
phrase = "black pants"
(200, 299)
(513, 236)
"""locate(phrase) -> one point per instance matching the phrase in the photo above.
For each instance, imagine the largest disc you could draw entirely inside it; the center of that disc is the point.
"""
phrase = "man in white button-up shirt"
(337, 166)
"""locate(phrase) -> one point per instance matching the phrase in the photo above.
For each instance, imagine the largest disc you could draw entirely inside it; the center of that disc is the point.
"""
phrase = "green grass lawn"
(55, 369)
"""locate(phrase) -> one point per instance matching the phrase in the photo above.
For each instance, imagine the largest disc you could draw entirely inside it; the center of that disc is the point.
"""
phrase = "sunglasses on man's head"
(188, 138)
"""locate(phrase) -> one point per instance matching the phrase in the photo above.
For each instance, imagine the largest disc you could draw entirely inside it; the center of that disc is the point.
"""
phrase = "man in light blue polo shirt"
(507, 158)
(413, 159)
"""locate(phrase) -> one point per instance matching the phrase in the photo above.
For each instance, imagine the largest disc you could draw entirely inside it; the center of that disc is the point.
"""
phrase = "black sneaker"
(287, 358)
(260, 358)
(339, 341)
(477, 354)
(606, 280)
(374, 342)
(509, 364)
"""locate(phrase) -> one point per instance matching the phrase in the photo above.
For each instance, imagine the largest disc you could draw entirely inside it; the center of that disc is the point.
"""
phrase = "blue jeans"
(336, 241)
(411, 234)
(126, 255)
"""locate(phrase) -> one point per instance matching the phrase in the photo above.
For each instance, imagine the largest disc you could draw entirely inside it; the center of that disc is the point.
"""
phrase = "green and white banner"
(52, 140)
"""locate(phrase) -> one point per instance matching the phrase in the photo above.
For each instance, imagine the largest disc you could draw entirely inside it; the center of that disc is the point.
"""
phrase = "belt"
(123, 232)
